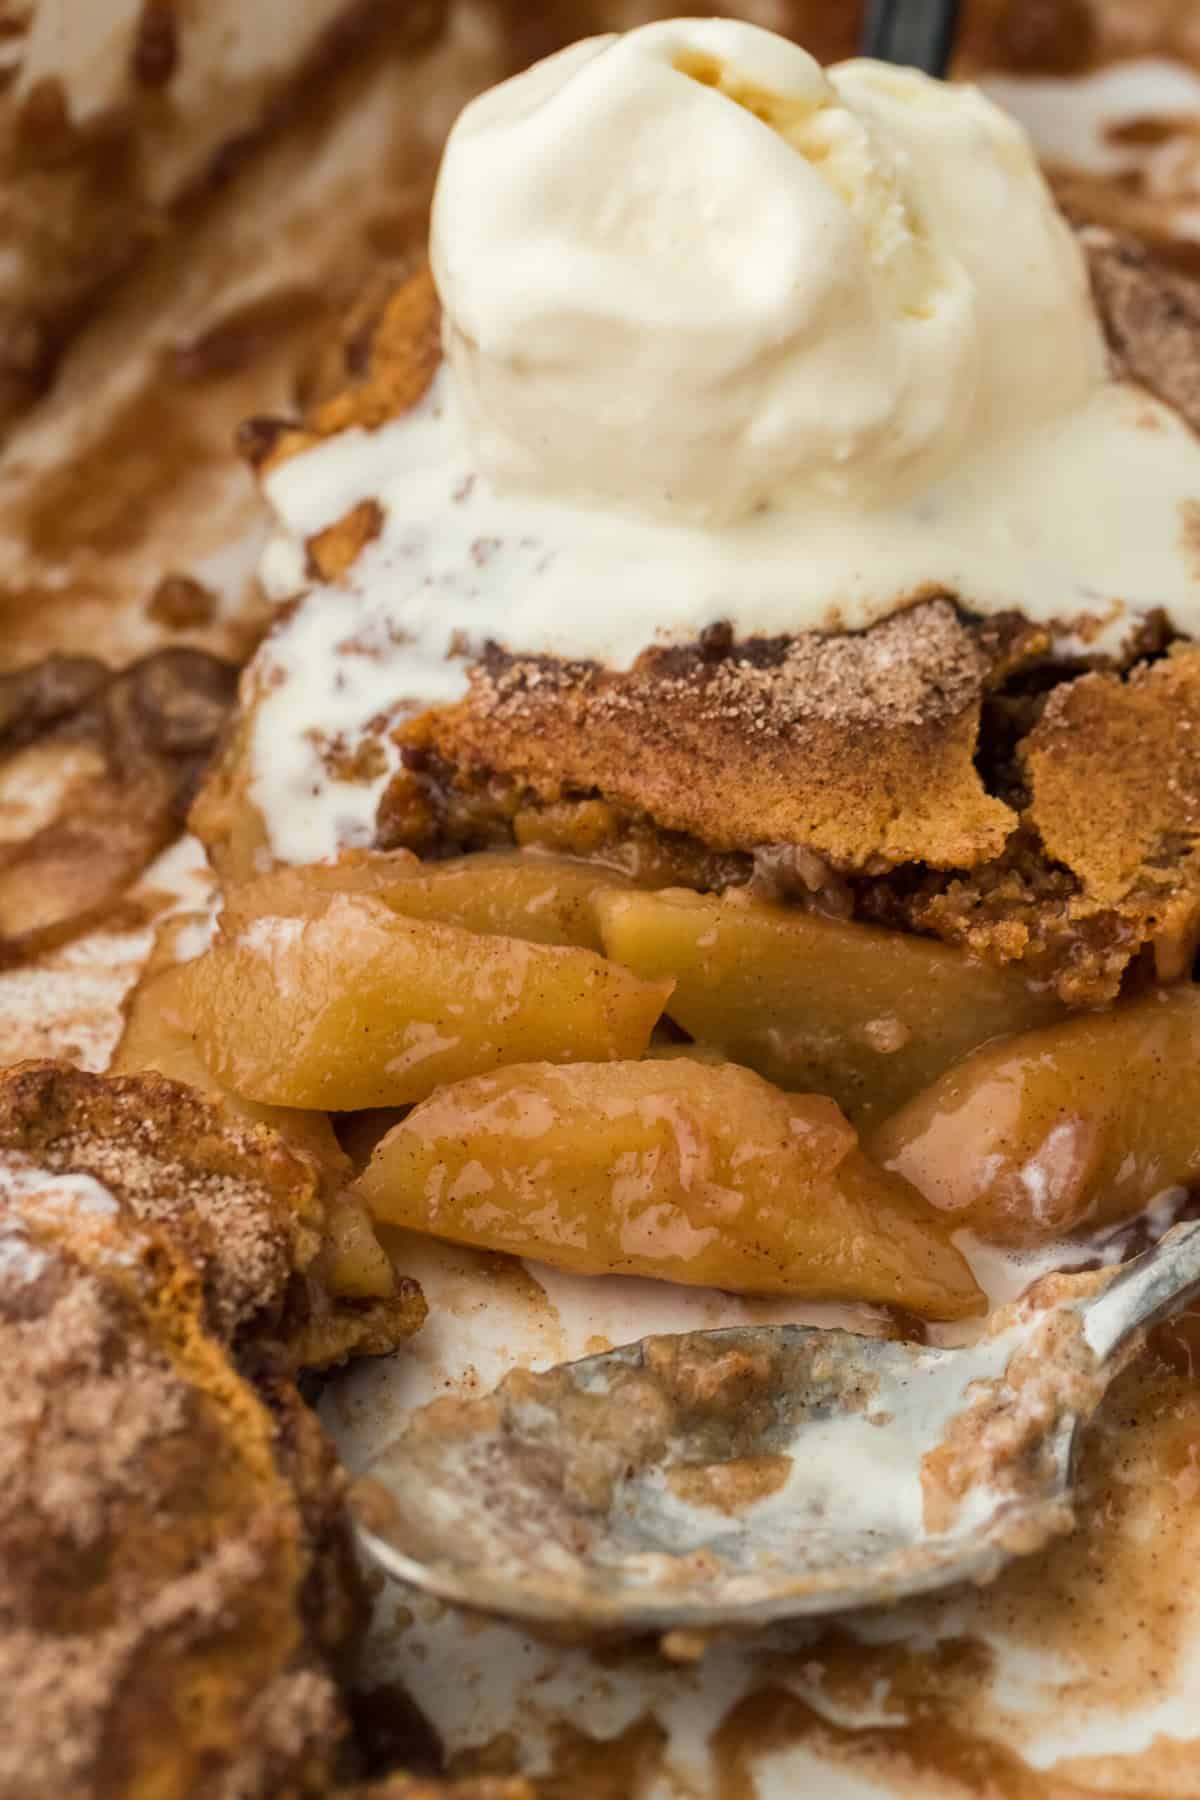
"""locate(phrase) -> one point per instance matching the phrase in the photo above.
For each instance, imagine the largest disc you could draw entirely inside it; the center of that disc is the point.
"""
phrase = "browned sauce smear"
(1113, 1604)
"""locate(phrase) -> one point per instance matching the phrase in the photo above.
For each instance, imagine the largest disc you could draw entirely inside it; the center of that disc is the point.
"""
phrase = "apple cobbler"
(849, 898)
(717, 801)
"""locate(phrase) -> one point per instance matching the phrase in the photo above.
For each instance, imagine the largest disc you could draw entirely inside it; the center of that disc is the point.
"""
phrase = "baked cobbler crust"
(176, 1580)
(858, 747)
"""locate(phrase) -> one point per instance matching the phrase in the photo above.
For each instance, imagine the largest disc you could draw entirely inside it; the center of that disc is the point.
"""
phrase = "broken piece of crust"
(1106, 862)
(175, 1574)
(1114, 774)
(250, 1214)
(860, 747)
(231, 1199)
(390, 354)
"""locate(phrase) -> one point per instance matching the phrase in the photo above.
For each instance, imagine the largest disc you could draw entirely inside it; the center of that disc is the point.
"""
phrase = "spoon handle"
(1152, 1287)
(919, 33)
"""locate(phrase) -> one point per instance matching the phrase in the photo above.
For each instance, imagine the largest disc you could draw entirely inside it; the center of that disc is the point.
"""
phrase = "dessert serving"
(759, 592)
(693, 825)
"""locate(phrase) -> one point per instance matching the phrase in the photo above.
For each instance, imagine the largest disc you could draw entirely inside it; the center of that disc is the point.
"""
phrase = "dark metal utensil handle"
(919, 33)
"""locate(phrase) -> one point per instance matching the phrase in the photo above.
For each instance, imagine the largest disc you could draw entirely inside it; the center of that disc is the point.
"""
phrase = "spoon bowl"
(730, 1479)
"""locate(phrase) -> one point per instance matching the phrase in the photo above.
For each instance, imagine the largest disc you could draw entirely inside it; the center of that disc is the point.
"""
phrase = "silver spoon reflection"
(733, 1478)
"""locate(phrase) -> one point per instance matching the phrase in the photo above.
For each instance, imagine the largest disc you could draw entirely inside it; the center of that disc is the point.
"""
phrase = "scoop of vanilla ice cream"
(688, 271)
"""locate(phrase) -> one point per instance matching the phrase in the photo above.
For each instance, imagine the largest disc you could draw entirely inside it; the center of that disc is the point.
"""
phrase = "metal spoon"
(920, 33)
(732, 1478)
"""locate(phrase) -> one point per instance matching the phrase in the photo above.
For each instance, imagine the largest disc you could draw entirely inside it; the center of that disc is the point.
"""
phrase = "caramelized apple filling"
(357, 1303)
(665, 1083)
(1080, 1123)
(674, 1169)
(705, 878)
(353, 1005)
(817, 1004)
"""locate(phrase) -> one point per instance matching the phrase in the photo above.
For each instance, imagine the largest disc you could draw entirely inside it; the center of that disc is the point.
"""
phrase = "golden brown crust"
(332, 551)
(1114, 776)
(1022, 908)
(349, 1302)
(261, 1218)
(813, 744)
(391, 357)
(232, 1199)
(390, 351)
(174, 1563)
(1104, 866)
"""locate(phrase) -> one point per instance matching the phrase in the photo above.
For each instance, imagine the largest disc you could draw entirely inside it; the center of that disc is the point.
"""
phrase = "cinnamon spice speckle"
(155, 55)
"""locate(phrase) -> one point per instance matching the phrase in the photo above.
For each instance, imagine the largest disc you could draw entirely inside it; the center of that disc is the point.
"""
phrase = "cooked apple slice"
(542, 899)
(1081, 1123)
(158, 1035)
(679, 1170)
(357, 1007)
(867, 1016)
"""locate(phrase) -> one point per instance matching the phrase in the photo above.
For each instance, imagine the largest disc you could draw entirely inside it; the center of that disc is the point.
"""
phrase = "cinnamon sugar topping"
(860, 748)
(173, 1571)
(243, 1209)
(802, 627)
(914, 669)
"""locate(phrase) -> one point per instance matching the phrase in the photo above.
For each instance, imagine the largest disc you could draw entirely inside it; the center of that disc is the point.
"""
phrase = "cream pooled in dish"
(728, 338)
